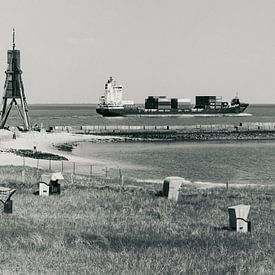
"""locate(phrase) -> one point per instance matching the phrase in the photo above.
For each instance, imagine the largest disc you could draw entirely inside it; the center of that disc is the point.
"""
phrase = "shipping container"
(174, 103)
(204, 101)
(184, 100)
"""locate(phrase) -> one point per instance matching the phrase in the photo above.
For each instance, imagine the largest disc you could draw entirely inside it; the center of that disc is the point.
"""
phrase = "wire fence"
(76, 168)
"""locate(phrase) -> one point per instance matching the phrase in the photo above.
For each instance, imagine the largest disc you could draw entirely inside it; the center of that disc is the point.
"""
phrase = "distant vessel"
(112, 105)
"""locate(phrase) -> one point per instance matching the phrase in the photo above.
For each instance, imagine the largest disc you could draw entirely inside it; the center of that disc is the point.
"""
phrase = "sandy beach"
(43, 142)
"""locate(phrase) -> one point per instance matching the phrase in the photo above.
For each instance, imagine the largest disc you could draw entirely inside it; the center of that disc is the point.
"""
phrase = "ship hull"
(127, 111)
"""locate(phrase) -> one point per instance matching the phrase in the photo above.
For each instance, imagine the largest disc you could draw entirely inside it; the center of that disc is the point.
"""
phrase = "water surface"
(85, 114)
(238, 162)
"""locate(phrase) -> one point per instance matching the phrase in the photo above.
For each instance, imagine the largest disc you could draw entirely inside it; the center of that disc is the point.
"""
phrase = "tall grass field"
(98, 227)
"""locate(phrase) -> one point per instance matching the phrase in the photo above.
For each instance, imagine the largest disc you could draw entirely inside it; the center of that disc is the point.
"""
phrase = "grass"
(95, 230)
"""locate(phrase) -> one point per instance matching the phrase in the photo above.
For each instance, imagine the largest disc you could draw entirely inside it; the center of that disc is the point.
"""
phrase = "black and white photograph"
(137, 137)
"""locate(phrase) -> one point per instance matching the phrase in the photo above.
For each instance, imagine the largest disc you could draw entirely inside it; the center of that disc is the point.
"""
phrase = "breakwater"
(242, 131)
(195, 136)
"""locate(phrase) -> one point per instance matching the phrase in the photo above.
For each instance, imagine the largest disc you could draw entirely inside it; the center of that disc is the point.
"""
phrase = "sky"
(178, 48)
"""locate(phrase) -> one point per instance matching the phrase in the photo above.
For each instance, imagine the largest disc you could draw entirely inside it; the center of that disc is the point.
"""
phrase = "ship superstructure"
(112, 95)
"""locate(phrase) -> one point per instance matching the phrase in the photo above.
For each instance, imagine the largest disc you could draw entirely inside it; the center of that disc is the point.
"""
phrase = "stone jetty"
(242, 131)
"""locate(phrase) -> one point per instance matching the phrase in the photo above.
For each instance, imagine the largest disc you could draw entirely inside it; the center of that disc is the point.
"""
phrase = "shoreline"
(43, 142)
(62, 143)
(48, 143)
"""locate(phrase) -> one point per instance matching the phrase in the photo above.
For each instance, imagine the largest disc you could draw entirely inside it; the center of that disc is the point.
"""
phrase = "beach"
(42, 141)
(145, 162)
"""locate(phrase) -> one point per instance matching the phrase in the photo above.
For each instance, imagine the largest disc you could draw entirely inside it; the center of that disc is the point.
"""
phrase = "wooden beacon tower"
(14, 90)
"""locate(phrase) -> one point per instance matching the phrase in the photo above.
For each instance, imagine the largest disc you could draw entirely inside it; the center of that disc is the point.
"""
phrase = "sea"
(239, 162)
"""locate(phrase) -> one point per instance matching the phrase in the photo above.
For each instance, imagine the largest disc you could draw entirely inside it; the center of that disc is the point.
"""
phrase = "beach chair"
(5, 199)
(49, 185)
(238, 215)
(171, 187)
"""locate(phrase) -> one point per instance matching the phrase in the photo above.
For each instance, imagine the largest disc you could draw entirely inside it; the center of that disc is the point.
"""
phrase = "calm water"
(51, 115)
(251, 162)
(215, 162)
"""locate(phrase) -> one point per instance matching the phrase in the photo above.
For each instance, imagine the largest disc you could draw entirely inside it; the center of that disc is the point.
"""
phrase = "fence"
(78, 168)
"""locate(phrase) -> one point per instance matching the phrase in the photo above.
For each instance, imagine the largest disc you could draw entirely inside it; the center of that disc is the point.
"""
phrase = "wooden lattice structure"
(14, 90)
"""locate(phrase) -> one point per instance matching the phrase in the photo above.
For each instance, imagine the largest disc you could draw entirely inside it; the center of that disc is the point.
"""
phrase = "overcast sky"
(178, 48)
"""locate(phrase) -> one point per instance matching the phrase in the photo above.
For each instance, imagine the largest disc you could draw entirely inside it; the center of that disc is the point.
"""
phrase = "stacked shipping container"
(164, 103)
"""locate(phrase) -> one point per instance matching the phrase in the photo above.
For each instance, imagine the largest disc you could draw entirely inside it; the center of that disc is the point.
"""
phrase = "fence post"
(50, 164)
(23, 176)
(62, 168)
(73, 167)
(121, 179)
(106, 172)
(227, 184)
(91, 170)
(24, 162)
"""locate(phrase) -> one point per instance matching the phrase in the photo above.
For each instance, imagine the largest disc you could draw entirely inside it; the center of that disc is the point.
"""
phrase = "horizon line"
(79, 103)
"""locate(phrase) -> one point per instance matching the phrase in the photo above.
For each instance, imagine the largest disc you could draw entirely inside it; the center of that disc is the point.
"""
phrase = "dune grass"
(93, 230)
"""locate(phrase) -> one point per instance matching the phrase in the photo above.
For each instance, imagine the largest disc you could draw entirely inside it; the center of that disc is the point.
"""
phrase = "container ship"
(112, 105)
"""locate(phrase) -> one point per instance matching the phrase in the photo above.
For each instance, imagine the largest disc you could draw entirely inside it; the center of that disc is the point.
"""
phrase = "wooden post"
(106, 172)
(91, 170)
(23, 176)
(227, 184)
(50, 164)
(73, 167)
(24, 162)
(72, 178)
(37, 165)
(62, 166)
(121, 179)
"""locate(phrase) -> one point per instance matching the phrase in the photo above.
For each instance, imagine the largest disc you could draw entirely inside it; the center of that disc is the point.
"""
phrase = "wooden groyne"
(245, 131)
